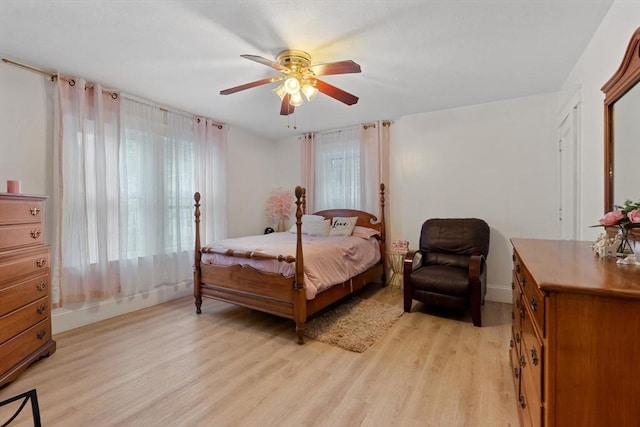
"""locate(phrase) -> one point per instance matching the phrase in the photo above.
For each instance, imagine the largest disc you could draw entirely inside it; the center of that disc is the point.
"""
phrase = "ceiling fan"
(299, 78)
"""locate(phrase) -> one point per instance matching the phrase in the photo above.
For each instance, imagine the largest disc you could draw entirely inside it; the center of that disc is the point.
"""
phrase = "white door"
(568, 174)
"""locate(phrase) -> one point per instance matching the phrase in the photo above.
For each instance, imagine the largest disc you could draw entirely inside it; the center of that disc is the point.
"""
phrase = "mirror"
(622, 129)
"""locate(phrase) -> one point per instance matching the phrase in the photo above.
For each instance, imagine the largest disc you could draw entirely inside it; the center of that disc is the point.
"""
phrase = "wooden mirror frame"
(627, 76)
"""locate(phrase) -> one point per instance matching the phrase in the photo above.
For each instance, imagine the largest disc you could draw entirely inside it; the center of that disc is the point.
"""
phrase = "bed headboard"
(365, 219)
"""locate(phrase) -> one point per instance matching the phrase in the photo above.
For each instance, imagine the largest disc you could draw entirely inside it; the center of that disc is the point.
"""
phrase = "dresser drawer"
(23, 318)
(516, 304)
(532, 354)
(530, 403)
(24, 263)
(21, 346)
(532, 297)
(514, 358)
(15, 236)
(13, 296)
(21, 212)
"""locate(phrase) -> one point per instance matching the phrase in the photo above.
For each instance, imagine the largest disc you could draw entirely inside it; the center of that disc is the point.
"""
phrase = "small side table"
(396, 262)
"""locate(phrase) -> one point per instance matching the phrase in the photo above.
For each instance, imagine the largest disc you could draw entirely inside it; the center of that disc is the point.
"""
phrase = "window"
(337, 166)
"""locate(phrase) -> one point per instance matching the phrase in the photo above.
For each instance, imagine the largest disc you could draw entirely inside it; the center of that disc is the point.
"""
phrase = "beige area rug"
(354, 324)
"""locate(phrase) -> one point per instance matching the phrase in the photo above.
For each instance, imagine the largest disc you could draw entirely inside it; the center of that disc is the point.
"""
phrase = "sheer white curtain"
(86, 199)
(125, 194)
(309, 170)
(374, 153)
(211, 172)
(344, 168)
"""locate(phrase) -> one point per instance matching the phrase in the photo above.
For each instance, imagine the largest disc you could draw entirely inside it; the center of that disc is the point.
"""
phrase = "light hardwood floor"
(231, 366)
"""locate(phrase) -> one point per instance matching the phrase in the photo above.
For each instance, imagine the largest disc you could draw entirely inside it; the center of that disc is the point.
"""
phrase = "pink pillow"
(365, 232)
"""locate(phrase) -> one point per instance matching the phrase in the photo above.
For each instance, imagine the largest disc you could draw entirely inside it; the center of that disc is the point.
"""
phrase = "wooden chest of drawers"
(575, 341)
(25, 307)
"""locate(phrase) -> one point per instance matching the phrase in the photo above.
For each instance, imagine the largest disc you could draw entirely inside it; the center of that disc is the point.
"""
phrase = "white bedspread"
(327, 260)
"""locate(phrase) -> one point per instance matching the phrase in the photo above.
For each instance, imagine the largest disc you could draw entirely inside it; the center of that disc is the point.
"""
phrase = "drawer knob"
(516, 372)
(534, 303)
(523, 280)
(534, 357)
(41, 334)
(511, 344)
(41, 286)
(35, 233)
(41, 262)
(522, 361)
(42, 308)
(523, 404)
(34, 211)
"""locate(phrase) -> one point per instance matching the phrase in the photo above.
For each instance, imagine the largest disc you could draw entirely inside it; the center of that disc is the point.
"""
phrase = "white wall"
(493, 161)
(24, 122)
(250, 174)
(598, 63)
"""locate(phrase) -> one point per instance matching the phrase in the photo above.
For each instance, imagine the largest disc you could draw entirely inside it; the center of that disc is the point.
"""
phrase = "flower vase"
(281, 225)
(624, 247)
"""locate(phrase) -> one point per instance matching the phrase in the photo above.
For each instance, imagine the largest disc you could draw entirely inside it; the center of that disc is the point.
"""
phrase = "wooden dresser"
(575, 345)
(25, 307)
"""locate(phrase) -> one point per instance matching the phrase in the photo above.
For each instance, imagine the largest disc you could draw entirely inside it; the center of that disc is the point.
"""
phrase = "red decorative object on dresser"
(25, 305)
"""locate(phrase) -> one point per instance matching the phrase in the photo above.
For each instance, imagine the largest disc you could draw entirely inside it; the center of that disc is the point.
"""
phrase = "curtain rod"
(54, 76)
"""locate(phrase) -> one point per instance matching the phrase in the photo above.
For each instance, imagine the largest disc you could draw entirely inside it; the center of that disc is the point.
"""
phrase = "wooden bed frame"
(274, 293)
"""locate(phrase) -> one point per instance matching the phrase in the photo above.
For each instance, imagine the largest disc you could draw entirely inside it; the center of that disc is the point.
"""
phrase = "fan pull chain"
(295, 125)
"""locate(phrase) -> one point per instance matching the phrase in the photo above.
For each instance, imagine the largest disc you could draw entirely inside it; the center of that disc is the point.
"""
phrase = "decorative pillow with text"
(343, 226)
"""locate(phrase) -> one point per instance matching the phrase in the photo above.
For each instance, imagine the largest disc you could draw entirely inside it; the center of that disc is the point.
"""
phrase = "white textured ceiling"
(416, 55)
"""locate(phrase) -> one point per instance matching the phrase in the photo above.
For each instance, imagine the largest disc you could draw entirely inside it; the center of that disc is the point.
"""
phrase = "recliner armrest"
(412, 260)
(477, 265)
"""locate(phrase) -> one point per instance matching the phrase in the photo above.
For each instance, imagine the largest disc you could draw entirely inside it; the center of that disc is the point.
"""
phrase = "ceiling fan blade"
(339, 67)
(336, 93)
(265, 61)
(250, 85)
(286, 108)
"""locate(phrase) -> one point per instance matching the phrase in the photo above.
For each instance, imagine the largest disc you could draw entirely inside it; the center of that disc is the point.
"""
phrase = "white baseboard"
(499, 293)
(76, 315)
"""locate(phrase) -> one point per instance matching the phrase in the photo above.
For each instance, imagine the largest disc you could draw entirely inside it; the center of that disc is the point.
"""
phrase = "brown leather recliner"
(449, 268)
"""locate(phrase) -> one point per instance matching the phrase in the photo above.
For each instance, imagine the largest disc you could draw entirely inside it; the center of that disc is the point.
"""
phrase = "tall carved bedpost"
(197, 292)
(383, 233)
(299, 296)
(304, 200)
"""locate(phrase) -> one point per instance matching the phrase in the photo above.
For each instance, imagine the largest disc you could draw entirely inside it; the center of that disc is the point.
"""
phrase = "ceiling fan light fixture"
(292, 85)
(296, 99)
(280, 91)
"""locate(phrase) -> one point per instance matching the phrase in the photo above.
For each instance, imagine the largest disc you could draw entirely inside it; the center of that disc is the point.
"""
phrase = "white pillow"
(365, 232)
(343, 226)
(306, 221)
(317, 228)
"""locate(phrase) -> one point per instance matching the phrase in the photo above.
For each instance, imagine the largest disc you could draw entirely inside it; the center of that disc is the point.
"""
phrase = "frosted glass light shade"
(296, 99)
(310, 92)
(292, 85)
(280, 91)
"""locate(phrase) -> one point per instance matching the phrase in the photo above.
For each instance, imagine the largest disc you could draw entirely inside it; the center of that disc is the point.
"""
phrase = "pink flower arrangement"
(625, 216)
(280, 204)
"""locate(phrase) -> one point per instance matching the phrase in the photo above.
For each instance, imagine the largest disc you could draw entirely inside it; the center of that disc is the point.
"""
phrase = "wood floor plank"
(231, 366)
